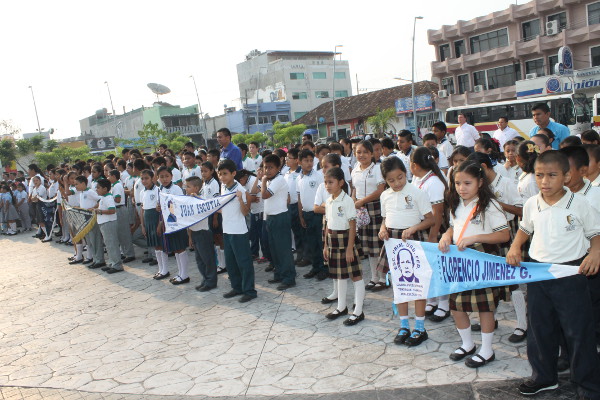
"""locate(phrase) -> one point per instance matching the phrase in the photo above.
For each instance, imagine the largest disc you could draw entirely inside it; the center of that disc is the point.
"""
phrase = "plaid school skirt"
(339, 268)
(368, 234)
(382, 264)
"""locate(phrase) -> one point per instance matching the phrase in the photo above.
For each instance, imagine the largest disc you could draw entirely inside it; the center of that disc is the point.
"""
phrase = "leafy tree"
(8, 151)
(7, 127)
(65, 154)
(247, 138)
(24, 146)
(287, 134)
(51, 145)
(152, 136)
(37, 143)
(382, 121)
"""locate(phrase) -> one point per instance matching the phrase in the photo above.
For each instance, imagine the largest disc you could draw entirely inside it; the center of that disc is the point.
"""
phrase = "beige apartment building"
(481, 59)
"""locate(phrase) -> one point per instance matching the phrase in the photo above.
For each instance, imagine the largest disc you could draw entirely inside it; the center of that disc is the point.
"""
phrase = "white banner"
(181, 212)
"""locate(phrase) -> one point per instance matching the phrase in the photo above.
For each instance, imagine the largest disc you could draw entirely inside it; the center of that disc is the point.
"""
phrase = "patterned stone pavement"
(81, 333)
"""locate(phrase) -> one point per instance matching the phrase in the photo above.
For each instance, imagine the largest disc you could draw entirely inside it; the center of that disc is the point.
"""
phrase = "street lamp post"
(257, 89)
(110, 97)
(35, 108)
(199, 106)
(414, 105)
(335, 124)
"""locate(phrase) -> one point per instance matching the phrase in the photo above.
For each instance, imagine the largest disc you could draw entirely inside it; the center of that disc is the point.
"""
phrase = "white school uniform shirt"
(74, 196)
(88, 198)
(130, 182)
(560, 232)
(432, 185)
(368, 178)
(149, 198)
(138, 190)
(596, 182)
(252, 164)
(307, 186)
(20, 195)
(210, 189)
(89, 178)
(30, 180)
(277, 203)
(284, 170)
(444, 146)
(494, 220)
(177, 176)
(234, 222)
(291, 178)
(406, 160)
(512, 173)
(442, 160)
(52, 189)
(58, 198)
(189, 172)
(527, 186)
(255, 208)
(106, 203)
(321, 196)
(40, 192)
(506, 193)
(118, 190)
(404, 208)
(346, 168)
(591, 193)
(171, 189)
(466, 135)
(339, 212)
(124, 177)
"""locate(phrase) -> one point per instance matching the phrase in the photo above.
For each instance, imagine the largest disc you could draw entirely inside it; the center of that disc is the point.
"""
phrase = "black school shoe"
(113, 271)
(353, 321)
(128, 259)
(454, 356)
(230, 294)
(270, 268)
(159, 277)
(153, 262)
(402, 335)
(478, 361)
(285, 286)
(147, 260)
(321, 276)
(430, 312)
(326, 300)
(337, 313)
(416, 338)
(530, 387)
(515, 338)
(74, 261)
(438, 318)
(310, 274)
(246, 298)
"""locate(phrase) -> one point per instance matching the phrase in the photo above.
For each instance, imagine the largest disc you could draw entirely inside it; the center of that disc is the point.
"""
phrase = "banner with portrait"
(181, 212)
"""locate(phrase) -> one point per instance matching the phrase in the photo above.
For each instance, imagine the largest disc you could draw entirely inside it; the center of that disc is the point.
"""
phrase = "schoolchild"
(439, 129)
(235, 234)
(190, 168)
(274, 191)
(542, 142)
(73, 199)
(211, 187)
(527, 153)
(511, 168)
(406, 145)
(458, 156)
(23, 206)
(124, 230)
(387, 148)
(150, 220)
(377, 152)
(593, 171)
(97, 173)
(88, 199)
(321, 151)
(250, 182)
(106, 214)
(430, 141)
(37, 192)
(9, 211)
(172, 164)
(476, 220)
(338, 149)
(489, 147)
(562, 227)
(291, 178)
(307, 186)
(176, 242)
(253, 159)
(406, 212)
(137, 190)
(339, 249)
(570, 141)
(213, 157)
(590, 137)
(367, 186)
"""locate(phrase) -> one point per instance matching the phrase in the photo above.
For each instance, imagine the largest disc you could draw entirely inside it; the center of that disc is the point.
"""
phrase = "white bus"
(571, 110)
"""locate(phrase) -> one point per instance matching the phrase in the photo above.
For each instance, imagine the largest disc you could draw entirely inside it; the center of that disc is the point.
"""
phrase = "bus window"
(561, 110)
(452, 117)
(582, 108)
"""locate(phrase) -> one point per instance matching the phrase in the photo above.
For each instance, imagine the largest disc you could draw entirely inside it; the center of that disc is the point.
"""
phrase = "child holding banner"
(402, 207)
(150, 220)
(562, 225)
(211, 187)
(475, 218)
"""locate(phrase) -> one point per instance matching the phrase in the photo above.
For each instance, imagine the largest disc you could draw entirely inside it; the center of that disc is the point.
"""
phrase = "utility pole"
(36, 113)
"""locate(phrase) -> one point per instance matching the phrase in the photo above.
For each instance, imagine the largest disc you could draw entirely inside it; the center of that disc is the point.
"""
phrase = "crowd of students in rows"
(336, 204)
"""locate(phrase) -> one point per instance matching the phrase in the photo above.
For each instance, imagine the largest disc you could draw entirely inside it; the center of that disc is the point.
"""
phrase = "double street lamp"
(199, 106)
(36, 112)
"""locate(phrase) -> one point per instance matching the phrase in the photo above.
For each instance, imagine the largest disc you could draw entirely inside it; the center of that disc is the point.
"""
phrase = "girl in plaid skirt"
(368, 184)
(402, 206)
(339, 249)
(475, 218)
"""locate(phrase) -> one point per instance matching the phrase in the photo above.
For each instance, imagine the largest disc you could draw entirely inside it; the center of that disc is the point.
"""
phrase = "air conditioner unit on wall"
(531, 76)
(551, 28)
(478, 88)
(442, 94)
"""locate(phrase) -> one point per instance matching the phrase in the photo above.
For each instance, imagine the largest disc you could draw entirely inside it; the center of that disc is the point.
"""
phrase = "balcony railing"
(186, 130)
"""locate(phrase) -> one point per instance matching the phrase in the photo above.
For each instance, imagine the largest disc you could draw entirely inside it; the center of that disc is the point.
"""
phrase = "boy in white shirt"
(190, 168)
(124, 230)
(88, 200)
(235, 235)
(107, 221)
(291, 178)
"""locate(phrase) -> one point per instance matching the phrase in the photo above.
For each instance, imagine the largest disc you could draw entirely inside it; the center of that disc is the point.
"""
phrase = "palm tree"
(382, 121)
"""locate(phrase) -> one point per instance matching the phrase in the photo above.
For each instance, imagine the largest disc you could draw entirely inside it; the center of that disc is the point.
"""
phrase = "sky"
(66, 50)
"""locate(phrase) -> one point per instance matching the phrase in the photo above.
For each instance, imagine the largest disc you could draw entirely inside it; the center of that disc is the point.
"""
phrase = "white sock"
(373, 266)
(222, 258)
(342, 291)
(88, 253)
(443, 304)
(160, 260)
(486, 350)
(518, 298)
(334, 294)
(165, 261)
(359, 297)
(431, 303)
(467, 339)
(79, 251)
(182, 264)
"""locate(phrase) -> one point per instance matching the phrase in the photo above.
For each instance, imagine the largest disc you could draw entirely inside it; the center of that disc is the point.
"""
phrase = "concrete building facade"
(481, 59)
(305, 79)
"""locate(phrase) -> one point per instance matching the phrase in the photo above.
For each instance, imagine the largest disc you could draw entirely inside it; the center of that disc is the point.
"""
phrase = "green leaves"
(8, 151)
(255, 137)
(382, 120)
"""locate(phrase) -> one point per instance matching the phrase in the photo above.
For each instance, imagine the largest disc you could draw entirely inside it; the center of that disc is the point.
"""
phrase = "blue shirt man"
(541, 118)
(229, 150)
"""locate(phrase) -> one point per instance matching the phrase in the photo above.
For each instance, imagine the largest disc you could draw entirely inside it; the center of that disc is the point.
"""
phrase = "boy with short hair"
(387, 148)
(443, 144)
(578, 162)
(106, 218)
(561, 226)
(88, 200)
(291, 178)
(235, 235)
(213, 157)
(274, 191)
(307, 187)
(322, 151)
(338, 149)
(253, 159)
(593, 172)
(123, 231)
(189, 167)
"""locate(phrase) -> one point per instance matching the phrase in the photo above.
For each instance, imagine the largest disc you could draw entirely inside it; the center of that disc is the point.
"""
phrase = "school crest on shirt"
(476, 219)
(370, 173)
(312, 184)
(340, 212)
(571, 223)
(498, 194)
(409, 202)
(152, 197)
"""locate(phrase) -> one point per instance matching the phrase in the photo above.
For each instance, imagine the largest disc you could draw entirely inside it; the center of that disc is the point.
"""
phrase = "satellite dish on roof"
(158, 89)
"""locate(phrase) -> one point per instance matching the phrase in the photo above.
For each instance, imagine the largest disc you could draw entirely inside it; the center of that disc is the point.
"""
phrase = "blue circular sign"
(321, 120)
(553, 85)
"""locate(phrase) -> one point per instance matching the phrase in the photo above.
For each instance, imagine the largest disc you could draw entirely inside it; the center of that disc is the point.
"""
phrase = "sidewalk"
(80, 330)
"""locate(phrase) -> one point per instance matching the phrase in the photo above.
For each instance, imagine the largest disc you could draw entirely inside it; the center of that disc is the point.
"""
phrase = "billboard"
(584, 79)
(101, 144)
(424, 102)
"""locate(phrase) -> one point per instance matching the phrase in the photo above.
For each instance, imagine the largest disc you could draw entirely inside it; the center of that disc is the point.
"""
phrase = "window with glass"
(448, 85)
(530, 29)
(272, 118)
(322, 94)
(296, 75)
(595, 56)
(283, 118)
(251, 120)
(263, 120)
(561, 18)
(502, 76)
(459, 48)
(444, 52)
(299, 114)
(319, 75)
(535, 67)
(299, 95)
(340, 75)
(593, 13)
(341, 93)
(552, 61)
(463, 83)
(488, 41)
(479, 79)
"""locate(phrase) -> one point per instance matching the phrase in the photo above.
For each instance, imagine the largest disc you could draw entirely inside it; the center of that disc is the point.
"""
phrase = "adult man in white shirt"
(504, 133)
(466, 134)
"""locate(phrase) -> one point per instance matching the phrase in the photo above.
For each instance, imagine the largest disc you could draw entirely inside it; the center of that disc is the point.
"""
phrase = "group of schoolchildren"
(333, 206)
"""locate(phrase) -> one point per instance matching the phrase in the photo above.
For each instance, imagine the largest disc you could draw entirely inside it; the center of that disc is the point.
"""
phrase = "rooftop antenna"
(158, 89)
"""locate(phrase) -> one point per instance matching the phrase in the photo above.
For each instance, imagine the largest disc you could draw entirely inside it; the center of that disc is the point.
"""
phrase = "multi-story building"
(305, 79)
(481, 59)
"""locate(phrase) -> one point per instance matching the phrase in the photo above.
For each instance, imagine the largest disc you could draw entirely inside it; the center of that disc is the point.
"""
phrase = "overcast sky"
(67, 49)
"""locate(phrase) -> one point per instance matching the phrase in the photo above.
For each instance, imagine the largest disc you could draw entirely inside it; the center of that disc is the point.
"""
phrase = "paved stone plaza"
(94, 335)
